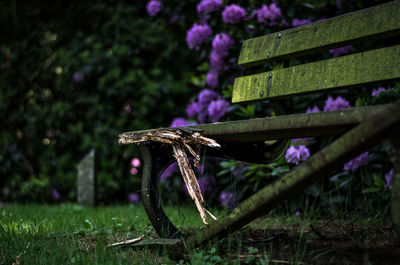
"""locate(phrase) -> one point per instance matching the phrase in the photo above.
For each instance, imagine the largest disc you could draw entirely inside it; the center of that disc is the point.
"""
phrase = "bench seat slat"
(355, 70)
(330, 33)
(281, 127)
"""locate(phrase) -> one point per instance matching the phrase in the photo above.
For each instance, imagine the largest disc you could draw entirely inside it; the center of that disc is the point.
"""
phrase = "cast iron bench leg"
(156, 158)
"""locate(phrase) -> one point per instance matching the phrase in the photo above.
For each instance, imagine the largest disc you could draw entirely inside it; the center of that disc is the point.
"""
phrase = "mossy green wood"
(356, 70)
(315, 168)
(375, 22)
(280, 127)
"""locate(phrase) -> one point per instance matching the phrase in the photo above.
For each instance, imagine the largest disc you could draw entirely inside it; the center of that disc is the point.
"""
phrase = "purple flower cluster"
(227, 199)
(271, 13)
(56, 194)
(389, 178)
(300, 22)
(313, 109)
(212, 78)
(217, 109)
(127, 108)
(169, 170)
(233, 14)
(78, 77)
(221, 44)
(197, 35)
(209, 104)
(336, 104)
(179, 122)
(377, 91)
(295, 154)
(341, 51)
(356, 162)
(133, 197)
(208, 6)
(153, 7)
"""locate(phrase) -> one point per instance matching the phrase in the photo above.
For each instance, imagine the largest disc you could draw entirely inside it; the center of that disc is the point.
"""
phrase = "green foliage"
(75, 77)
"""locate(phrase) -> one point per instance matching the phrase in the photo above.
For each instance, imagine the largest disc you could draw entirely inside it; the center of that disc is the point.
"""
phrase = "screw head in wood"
(261, 94)
(270, 75)
(279, 35)
(268, 54)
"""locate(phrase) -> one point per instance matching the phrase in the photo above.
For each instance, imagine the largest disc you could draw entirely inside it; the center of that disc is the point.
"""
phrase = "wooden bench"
(360, 128)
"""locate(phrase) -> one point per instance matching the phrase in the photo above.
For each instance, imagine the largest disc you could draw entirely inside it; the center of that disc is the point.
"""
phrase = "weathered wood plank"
(375, 22)
(279, 127)
(355, 70)
(315, 168)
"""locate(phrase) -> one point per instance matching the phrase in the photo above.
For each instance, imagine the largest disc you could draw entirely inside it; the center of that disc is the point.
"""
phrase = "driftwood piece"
(180, 140)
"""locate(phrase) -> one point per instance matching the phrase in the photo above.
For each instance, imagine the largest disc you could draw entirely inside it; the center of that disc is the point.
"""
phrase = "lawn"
(73, 234)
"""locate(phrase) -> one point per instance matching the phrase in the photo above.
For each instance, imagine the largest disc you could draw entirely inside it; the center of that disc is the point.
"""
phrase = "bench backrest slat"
(375, 22)
(355, 70)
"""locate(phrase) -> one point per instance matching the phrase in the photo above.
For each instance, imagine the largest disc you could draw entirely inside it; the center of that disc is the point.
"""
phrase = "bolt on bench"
(360, 128)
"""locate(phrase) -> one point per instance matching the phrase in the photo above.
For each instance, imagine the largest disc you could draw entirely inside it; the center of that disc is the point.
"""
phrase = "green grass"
(72, 234)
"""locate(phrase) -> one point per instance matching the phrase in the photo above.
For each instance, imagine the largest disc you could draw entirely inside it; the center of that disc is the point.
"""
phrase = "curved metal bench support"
(156, 158)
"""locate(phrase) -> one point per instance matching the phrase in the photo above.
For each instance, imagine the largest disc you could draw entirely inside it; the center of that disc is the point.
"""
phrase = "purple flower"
(153, 7)
(135, 162)
(304, 152)
(336, 104)
(217, 109)
(296, 154)
(197, 35)
(227, 199)
(285, 23)
(201, 117)
(56, 194)
(127, 108)
(222, 43)
(169, 170)
(356, 162)
(389, 177)
(133, 171)
(208, 6)
(377, 91)
(207, 95)
(217, 60)
(78, 77)
(312, 110)
(233, 14)
(272, 12)
(275, 11)
(212, 78)
(133, 197)
(299, 22)
(341, 51)
(179, 122)
(299, 140)
(193, 109)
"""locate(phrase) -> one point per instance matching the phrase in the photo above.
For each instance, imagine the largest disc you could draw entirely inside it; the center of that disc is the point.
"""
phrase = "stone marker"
(86, 179)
